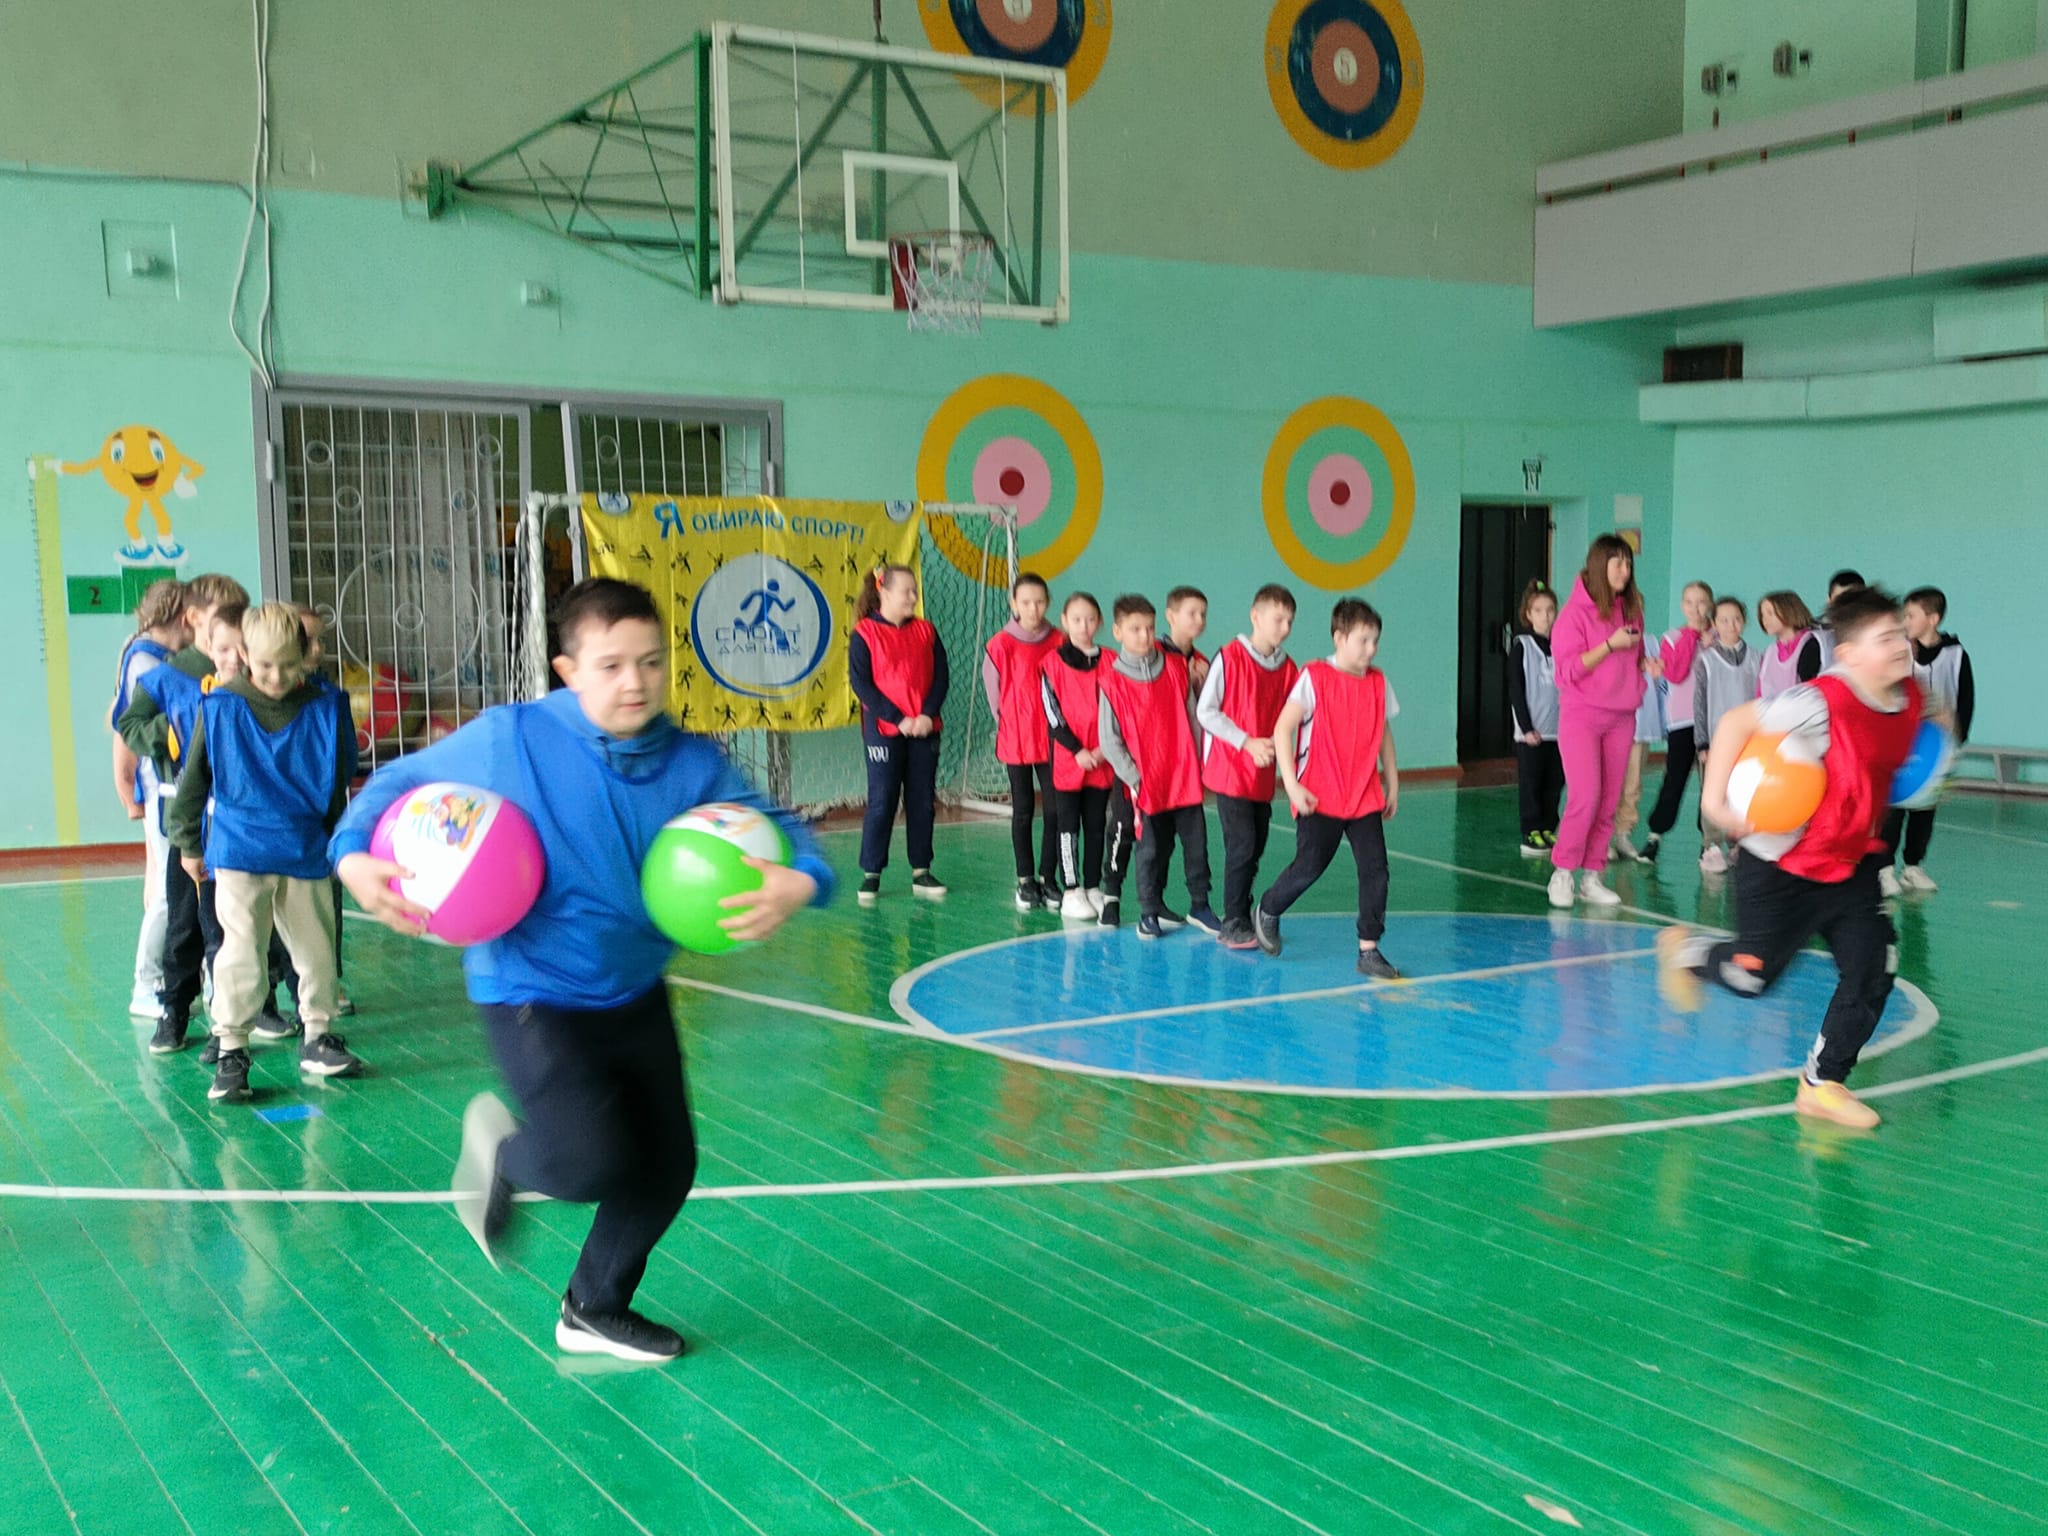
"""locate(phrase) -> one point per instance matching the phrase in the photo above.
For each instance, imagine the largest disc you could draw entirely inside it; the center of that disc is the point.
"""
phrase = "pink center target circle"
(1010, 472)
(1339, 495)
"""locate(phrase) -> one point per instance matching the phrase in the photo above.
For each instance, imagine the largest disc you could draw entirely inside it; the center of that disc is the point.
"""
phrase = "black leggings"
(1021, 778)
(1916, 827)
(1680, 753)
(1541, 770)
(1083, 816)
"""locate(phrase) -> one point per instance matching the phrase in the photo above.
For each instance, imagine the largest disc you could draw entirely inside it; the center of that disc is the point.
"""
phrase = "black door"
(1501, 549)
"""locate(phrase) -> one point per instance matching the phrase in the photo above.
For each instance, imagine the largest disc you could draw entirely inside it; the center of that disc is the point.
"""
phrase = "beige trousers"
(303, 911)
(1630, 810)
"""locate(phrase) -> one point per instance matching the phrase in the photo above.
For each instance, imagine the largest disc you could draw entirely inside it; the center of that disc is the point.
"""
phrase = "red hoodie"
(1616, 683)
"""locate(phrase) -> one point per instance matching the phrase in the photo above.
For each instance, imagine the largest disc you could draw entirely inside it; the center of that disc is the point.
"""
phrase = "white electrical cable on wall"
(259, 202)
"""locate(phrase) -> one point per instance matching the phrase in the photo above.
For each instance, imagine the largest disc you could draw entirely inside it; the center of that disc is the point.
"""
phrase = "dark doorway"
(1500, 550)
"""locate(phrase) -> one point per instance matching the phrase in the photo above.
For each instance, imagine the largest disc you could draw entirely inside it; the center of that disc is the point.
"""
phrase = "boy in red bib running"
(1239, 705)
(1861, 715)
(1148, 735)
(1336, 757)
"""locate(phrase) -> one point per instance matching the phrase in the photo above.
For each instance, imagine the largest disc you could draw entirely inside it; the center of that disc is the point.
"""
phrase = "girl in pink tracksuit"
(1597, 647)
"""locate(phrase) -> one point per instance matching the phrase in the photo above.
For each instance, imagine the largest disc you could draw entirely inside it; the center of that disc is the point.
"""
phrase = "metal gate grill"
(398, 521)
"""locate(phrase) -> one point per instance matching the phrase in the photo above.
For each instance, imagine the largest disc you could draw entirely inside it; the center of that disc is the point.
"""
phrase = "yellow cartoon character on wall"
(140, 463)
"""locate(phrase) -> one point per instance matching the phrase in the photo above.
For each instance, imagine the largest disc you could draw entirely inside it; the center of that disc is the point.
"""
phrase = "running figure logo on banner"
(757, 596)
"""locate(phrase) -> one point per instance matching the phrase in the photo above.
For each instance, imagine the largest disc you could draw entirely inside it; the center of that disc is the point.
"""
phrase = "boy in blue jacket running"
(574, 1000)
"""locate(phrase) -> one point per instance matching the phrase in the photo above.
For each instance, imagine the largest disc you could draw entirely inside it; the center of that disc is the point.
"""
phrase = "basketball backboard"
(828, 147)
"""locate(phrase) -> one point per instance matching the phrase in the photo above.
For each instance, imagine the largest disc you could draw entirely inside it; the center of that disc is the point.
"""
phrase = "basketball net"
(941, 278)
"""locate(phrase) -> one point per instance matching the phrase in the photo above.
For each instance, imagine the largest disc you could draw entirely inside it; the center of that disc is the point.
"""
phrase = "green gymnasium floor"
(1546, 1321)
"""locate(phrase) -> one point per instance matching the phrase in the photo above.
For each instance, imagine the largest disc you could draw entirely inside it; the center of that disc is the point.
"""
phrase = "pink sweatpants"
(1595, 745)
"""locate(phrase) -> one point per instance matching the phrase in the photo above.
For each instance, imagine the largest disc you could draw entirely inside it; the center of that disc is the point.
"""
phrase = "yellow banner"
(758, 596)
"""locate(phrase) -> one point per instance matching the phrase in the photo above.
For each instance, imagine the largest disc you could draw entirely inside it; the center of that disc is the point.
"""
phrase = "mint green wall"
(1184, 371)
(1952, 499)
(1177, 152)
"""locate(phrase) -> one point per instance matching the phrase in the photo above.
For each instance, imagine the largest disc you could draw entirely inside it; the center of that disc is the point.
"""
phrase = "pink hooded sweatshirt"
(1617, 683)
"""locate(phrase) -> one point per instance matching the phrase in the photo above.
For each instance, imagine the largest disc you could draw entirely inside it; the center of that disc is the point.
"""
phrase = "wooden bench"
(2003, 770)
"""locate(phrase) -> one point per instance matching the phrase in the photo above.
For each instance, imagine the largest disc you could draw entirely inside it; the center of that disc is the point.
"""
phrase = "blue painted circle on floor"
(1490, 1004)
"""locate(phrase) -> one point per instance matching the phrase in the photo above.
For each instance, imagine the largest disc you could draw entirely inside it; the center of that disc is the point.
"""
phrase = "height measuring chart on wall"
(757, 594)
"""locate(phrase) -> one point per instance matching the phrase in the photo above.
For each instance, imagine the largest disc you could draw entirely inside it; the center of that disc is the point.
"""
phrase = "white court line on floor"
(1405, 984)
(1406, 1152)
(792, 1005)
(2003, 837)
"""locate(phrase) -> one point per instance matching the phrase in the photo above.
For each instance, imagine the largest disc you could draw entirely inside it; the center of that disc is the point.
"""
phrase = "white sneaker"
(1713, 861)
(1075, 907)
(1887, 884)
(1593, 892)
(143, 1005)
(1096, 898)
(1563, 889)
(1914, 878)
(1623, 849)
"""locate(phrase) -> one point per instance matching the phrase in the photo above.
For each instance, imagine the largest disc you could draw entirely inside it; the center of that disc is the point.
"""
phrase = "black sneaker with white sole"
(1029, 898)
(870, 890)
(170, 1033)
(1266, 929)
(210, 1056)
(483, 1198)
(1111, 915)
(328, 1055)
(927, 885)
(1205, 919)
(623, 1335)
(230, 1078)
(1171, 920)
(272, 1025)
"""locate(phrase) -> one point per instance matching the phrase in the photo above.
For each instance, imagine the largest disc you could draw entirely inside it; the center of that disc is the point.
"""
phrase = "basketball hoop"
(941, 277)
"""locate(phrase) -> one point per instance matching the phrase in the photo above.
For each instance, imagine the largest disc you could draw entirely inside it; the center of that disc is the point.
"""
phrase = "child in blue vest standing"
(897, 665)
(159, 635)
(265, 780)
(574, 1000)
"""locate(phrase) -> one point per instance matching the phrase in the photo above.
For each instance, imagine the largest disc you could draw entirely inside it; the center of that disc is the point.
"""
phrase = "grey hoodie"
(1139, 669)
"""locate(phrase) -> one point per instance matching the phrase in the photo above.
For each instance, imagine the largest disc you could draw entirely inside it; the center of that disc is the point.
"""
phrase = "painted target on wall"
(1006, 440)
(1338, 493)
(1060, 34)
(1345, 77)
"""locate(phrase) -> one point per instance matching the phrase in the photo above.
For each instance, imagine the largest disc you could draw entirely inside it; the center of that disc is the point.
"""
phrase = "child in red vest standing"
(1148, 735)
(1862, 715)
(1336, 757)
(1082, 779)
(1012, 666)
(1239, 706)
(898, 668)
